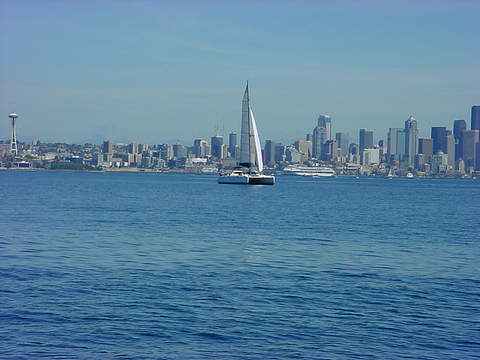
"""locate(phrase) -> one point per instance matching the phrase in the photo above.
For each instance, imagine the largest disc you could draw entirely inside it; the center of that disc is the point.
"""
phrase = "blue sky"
(167, 71)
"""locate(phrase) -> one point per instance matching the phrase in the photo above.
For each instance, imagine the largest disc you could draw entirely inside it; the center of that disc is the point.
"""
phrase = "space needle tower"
(13, 142)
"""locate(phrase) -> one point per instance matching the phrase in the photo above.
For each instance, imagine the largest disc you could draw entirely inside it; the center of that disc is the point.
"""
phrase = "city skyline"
(159, 72)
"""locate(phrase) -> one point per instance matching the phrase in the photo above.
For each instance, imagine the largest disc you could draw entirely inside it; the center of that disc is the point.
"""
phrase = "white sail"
(245, 133)
(258, 149)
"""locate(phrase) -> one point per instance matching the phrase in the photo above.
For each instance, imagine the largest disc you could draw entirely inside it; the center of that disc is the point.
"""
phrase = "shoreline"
(176, 172)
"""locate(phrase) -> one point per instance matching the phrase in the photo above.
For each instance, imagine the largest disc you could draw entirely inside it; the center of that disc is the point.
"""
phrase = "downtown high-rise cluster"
(448, 152)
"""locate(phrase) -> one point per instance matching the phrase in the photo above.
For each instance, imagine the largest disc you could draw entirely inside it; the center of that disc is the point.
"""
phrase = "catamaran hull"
(240, 180)
(261, 180)
(247, 180)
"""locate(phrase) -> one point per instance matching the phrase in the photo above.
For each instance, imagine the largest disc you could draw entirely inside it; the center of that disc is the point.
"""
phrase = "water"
(153, 266)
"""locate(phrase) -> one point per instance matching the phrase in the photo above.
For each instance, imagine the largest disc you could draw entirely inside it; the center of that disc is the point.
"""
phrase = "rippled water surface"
(153, 266)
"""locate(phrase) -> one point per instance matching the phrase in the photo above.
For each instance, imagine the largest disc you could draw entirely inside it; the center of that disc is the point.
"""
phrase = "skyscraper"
(329, 151)
(411, 140)
(325, 121)
(392, 143)
(366, 139)
(469, 142)
(304, 147)
(216, 146)
(450, 144)
(439, 136)
(280, 152)
(107, 147)
(425, 147)
(458, 127)
(269, 152)
(201, 148)
(475, 124)
(320, 135)
(133, 148)
(342, 142)
(232, 144)
(179, 151)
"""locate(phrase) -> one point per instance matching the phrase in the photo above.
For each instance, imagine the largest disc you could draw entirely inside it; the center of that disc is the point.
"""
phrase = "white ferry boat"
(314, 171)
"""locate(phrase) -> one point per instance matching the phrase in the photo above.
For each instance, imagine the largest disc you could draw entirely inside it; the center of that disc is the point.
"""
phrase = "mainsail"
(250, 150)
(245, 134)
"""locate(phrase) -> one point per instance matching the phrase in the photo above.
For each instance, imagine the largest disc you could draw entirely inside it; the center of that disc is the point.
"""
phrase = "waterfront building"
(342, 142)
(458, 127)
(420, 161)
(439, 163)
(216, 146)
(370, 156)
(325, 121)
(411, 140)
(475, 122)
(366, 139)
(461, 166)
(439, 136)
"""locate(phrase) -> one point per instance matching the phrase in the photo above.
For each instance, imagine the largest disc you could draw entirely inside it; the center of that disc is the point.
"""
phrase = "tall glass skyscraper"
(325, 121)
(458, 127)
(216, 145)
(475, 125)
(411, 140)
(439, 136)
(366, 139)
(320, 136)
(342, 142)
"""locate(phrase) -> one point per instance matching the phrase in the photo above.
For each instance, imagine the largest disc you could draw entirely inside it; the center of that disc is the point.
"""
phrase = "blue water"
(155, 266)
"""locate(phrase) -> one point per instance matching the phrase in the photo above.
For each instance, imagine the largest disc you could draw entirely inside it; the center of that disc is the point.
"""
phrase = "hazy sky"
(162, 71)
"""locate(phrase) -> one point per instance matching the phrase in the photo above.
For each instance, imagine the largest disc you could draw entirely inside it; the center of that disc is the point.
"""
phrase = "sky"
(172, 71)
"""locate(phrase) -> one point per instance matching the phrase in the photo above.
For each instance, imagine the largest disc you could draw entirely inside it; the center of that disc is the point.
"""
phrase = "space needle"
(13, 142)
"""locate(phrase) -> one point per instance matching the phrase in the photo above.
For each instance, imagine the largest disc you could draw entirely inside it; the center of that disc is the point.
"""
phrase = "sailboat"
(250, 169)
